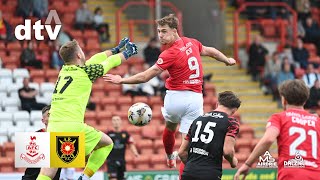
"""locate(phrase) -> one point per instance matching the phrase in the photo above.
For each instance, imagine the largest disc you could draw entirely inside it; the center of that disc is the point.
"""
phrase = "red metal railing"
(247, 4)
(151, 5)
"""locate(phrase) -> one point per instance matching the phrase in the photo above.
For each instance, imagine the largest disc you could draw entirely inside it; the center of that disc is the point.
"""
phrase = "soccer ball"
(139, 114)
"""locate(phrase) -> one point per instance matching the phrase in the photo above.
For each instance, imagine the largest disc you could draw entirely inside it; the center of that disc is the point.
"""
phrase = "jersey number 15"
(207, 130)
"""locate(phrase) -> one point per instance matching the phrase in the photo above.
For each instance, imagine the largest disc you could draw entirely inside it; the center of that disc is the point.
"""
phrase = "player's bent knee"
(104, 141)
(171, 126)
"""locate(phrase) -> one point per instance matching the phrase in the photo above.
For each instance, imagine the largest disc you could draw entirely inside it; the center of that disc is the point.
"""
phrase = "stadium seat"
(133, 130)
(11, 109)
(312, 49)
(149, 132)
(52, 75)
(35, 115)
(115, 93)
(254, 142)
(91, 34)
(10, 101)
(5, 73)
(158, 162)
(145, 146)
(104, 116)
(6, 119)
(14, 45)
(90, 115)
(36, 73)
(157, 145)
(108, 100)
(6, 164)
(21, 118)
(98, 87)
(142, 99)
(124, 107)
(3, 138)
(246, 131)
(243, 142)
(124, 100)
(47, 87)
(34, 86)
(20, 73)
(268, 27)
(143, 162)
(155, 100)
(8, 148)
(43, 99)
(110, 107)
(244, 150)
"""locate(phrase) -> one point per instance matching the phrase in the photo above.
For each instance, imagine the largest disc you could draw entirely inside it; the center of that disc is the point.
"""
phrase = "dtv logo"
(38, 27)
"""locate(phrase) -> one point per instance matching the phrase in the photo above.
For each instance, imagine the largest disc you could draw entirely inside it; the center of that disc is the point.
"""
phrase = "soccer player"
(116, 161)
(71, 96)
(210, 137)
(296, 131)
(184, 100)
(32, 173)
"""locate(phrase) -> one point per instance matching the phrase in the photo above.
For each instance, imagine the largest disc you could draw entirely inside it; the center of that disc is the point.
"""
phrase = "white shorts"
(183, 107)
(67, 173)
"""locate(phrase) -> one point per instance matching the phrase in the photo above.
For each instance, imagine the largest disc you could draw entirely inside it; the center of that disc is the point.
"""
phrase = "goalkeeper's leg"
(98, 156)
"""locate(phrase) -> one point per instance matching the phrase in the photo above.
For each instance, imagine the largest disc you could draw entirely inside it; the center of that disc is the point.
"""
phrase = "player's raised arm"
(214, 53)
(142, 77)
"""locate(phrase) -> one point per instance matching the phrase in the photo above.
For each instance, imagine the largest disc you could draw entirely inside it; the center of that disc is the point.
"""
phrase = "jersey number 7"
(64, 87)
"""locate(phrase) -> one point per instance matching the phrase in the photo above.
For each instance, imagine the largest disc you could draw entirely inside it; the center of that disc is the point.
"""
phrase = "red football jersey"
(298, 143)
(183, 62)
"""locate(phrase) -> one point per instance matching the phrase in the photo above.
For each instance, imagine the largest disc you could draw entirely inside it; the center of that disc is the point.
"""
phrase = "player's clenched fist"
(231, 62)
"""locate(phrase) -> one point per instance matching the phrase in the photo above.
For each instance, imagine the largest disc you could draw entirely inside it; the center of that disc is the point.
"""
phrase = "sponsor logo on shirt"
(267, 161)
(296, 162)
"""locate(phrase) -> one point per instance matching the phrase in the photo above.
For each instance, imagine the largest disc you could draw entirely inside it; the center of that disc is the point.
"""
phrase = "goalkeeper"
(71, 95)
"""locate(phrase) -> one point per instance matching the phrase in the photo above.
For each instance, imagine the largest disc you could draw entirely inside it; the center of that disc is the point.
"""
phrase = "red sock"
(181, 169)
(168, 140)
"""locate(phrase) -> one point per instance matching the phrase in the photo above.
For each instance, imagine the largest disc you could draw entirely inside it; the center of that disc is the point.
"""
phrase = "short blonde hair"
(171, 20)
(68, 51)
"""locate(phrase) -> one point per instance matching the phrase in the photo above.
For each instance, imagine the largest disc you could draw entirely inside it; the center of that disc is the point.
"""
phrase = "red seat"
(124, 107)
(246, 131)
(155, 100)
(142, 99)
(36, 73)
(242, 142)
(8, 148)
(90, 115)
(52, 75)
(269, 28)
(143, 162)
(68, 18)
(157, 145)
(91, 34)
(312, 49)
(104, 116)
(149, 132)
(6, 164)
(124, 100)
(133, 130)
(14, 46)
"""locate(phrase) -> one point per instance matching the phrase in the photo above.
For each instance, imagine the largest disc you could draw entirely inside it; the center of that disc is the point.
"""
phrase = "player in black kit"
(116, 160)
(32, 173)
(210, 137)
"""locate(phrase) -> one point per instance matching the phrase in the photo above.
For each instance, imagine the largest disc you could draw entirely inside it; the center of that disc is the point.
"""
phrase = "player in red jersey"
(183, 101)
(297, 133)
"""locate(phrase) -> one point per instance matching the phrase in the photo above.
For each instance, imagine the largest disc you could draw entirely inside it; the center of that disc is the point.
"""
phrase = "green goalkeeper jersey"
(73, 87)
